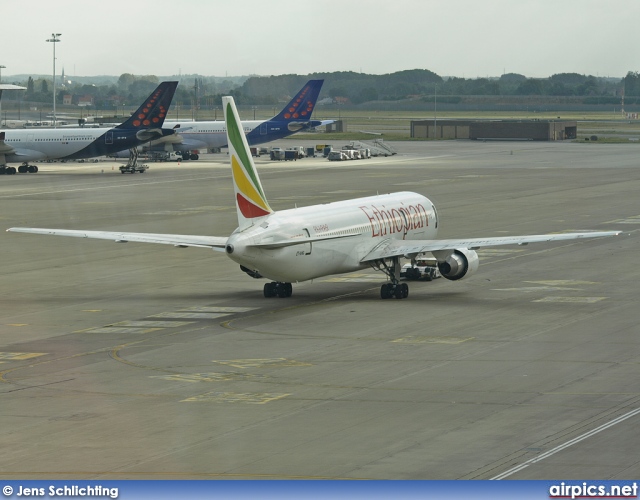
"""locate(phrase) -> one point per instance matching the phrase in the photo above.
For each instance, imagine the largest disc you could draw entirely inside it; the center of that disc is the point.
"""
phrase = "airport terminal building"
(531, 130)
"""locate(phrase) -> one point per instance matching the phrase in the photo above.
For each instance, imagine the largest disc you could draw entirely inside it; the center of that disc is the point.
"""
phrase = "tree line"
(353, 87)
(360, 87)
(127, 90)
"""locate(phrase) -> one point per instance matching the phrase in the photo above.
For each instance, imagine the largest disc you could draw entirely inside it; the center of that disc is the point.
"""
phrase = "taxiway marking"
(566, 445)
(260, 363)
(255, 398)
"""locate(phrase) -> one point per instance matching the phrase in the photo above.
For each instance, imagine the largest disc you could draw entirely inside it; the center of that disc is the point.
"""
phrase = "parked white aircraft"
(306, 243)
(191, 137)
(26, 146)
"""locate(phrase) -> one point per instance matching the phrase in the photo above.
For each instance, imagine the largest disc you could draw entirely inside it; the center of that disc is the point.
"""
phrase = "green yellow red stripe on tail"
(250, 199)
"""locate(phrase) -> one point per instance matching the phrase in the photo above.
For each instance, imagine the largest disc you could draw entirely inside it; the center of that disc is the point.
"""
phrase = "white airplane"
(204, 135)
(25, 146)
(301, 244)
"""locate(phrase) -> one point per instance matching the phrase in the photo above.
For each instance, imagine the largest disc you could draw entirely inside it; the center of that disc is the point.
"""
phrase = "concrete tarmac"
(131, 361)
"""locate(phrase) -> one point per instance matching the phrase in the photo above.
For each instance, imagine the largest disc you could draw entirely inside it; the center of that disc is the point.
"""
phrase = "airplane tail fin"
(251, 201)
(153, 110)
(301, 106)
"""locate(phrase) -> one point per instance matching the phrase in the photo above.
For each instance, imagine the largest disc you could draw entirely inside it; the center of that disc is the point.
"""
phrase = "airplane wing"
(179, 128)
(4, 147)
(410, 248)
(179, 240)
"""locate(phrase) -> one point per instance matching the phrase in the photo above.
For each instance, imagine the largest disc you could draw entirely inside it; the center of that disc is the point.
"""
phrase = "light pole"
(435, 111)
(1, 68)
(54, 39)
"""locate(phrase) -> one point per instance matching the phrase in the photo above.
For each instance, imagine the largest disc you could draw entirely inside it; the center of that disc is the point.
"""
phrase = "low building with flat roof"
(526, 130)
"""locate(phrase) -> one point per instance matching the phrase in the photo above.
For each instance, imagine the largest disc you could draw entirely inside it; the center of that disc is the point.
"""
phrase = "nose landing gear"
(398, 291)
(277, 289)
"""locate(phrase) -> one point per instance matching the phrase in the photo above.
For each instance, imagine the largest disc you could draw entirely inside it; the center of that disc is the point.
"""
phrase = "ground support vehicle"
(423, 269)
(132, 169)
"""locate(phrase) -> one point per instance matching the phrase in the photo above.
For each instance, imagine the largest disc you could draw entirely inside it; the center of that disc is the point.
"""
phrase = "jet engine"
(459, 264)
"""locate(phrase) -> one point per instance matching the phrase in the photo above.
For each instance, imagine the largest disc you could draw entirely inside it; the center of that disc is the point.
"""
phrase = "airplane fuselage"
(30, 145)
(143, 125)
(331, 238)
(213, 134)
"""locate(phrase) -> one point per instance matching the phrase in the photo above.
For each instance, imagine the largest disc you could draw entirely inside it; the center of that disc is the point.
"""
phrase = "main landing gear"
(394, 289)
(22, 169)
(26, 168)
(277, 289)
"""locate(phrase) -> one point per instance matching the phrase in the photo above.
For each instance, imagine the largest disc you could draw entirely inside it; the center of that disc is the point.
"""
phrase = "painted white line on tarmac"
(576, 440)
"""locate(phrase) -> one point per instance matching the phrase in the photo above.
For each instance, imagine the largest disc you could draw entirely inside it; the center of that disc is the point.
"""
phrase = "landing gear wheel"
(276, 289)
(284, 290)
(401, 291)
(386, 291)
(269, 290)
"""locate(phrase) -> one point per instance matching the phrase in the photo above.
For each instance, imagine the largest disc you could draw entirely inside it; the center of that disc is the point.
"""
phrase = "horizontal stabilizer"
(179, 240)
(149, 134)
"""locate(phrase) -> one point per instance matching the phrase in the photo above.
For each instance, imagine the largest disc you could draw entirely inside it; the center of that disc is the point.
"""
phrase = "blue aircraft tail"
(154, 109)
(301, 106)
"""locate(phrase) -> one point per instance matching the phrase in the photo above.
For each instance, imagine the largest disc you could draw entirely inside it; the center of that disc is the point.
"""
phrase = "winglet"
(154, 109)
(301, 106)
(251, 202)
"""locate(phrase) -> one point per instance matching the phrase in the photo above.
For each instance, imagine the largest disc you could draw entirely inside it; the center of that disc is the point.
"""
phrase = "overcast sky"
(465, 38)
